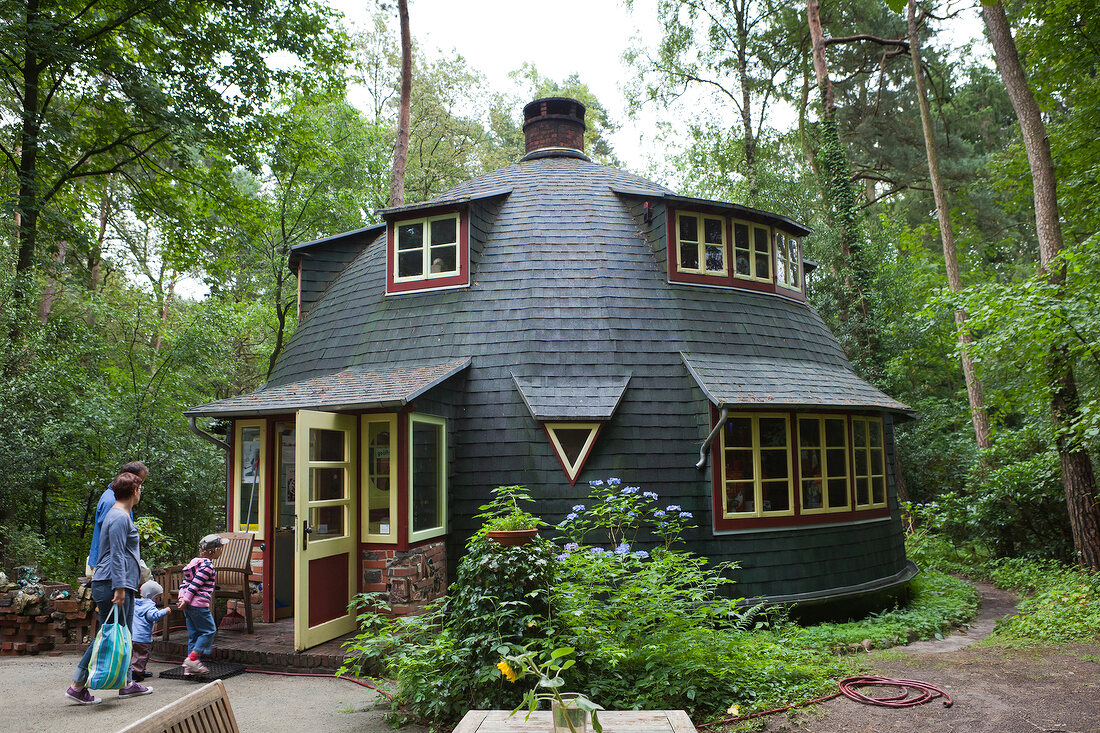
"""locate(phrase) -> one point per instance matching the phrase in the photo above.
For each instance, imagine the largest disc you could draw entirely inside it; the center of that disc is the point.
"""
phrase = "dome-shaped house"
(547, 324)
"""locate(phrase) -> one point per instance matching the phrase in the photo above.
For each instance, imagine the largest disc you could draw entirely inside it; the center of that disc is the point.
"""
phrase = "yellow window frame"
(378, 468)
(828, 472)
(863, 470)
(757, 479)
(425, 248)
(701, 245)
(441, 528)
(788, 263)
(751, 251)
(259, 471)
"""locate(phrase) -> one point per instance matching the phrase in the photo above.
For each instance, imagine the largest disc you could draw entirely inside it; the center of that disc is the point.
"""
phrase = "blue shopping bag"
(110, 663)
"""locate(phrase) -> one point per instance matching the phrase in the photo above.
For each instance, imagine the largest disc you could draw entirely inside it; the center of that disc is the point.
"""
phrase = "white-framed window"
(701, 244)
(756, 466)
(426, 248)
(788, 262)
(249, 476)
(869, 458)
(823, 463)
(379, 456)
(752, 252)
(427, 477)
(572, 443)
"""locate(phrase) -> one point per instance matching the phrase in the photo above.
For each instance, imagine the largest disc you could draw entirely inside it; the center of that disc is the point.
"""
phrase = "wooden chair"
(233, 568)
(170, 579)
(206, 710)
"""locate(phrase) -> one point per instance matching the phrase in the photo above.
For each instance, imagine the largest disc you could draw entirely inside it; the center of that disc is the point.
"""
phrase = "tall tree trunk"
(1078, 479)
(741, 10)
(401, 151)
(165, 307)
(978, 414)
(49, 295)
(28, 161)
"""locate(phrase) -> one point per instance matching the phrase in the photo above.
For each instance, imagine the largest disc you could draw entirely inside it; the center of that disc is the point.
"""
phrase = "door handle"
(306, 530)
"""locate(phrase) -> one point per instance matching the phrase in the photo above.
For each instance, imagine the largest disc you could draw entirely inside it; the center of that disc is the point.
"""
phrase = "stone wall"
(44, 617)
(409, 579)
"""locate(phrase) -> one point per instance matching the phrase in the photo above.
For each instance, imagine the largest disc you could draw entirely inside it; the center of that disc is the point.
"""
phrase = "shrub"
(1063, 605)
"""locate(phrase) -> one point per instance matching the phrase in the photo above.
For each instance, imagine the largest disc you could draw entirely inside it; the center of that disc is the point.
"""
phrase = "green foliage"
(1063, 603)
(155, 544)
(503, 512)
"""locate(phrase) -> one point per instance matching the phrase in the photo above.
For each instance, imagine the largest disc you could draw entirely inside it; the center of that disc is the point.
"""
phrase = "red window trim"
(722, 524)
(462, 279)
(729, 280)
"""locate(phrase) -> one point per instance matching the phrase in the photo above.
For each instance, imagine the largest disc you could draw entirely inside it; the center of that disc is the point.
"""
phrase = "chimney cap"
(554, 123)
(561, 107)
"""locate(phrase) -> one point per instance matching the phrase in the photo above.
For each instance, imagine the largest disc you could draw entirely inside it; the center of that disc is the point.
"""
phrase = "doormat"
(218, 671)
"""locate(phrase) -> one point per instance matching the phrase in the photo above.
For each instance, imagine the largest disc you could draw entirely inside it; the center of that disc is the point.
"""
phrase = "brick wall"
(408, 579)
(31, 623)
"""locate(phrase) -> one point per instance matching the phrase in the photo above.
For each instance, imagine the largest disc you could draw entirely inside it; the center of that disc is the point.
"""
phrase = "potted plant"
(504, 522)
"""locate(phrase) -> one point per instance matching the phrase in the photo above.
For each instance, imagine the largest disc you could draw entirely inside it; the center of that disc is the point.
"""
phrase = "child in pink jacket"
(196, 593)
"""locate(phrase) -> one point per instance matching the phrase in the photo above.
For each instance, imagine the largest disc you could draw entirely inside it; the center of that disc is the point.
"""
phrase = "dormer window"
(702, 244)
(751, 252)
(428, 252)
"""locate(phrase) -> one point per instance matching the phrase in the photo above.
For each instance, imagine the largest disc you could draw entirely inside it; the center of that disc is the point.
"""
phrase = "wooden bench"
(206, 710)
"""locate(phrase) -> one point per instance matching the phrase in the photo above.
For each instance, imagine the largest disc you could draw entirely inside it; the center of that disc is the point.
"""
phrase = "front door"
(325, 542)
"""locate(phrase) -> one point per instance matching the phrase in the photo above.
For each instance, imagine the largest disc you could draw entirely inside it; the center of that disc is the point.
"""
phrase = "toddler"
(146, 614)
(196, 593)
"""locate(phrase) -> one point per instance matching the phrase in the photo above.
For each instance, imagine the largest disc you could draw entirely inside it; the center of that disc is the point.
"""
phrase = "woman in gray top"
(116, 580)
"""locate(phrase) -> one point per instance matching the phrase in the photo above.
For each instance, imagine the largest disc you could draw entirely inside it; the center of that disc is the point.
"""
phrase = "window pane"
(689, 228)
(739, 432)
(326, 484)
(809, 433)
(838, 492)
(834, 433)
(780, 270)
(326, 445)
(861, 461)
(427, 463)
(879, 488)
(835, 460)
(410, 264)
(811, 495)
(739, 465)
(740, 236)
(410, 236)
(744, 267)
(249, 510)
(714, 259)
(444, 231)
(327, 522)
(773, 432)
(810, 463)
(572, 441)
(874, 430)
(378, 476)
(859, 432)
(876, 462)
(773, 464)
(776, 497)
(862, 497)
(445, 259)
(689, 256)
(739, 498)
(763, 268)
(760, 239)
(712, 229)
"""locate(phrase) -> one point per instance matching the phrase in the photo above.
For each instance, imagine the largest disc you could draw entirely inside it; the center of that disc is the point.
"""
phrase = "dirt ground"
(995, 690)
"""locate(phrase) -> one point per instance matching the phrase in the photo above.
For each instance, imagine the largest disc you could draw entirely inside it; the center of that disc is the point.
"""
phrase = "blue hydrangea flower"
(597, 482)
(570, 517)
(686, 515)
(630, 490)
(630, 515)
(596, 550)
(650, 495)
(672, 508)
(578, 507)
(562, 556)
(622, 549)
(570, 546)
(641, 554)
(659, 514)
(614, 481)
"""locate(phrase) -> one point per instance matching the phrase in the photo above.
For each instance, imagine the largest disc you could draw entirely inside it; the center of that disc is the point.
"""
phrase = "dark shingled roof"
(755, 381)
(556, 398)
(349, 389)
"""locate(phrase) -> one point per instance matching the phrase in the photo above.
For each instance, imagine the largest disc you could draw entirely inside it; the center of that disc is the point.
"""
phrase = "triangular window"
(573, 443)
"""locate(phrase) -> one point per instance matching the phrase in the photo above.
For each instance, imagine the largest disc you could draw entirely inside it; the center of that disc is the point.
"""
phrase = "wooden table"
(613, 721)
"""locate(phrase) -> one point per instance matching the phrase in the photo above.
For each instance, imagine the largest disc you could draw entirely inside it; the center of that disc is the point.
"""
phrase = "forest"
(160, 159)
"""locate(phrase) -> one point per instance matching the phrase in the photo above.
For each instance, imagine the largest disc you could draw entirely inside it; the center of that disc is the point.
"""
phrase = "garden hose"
(912, 693)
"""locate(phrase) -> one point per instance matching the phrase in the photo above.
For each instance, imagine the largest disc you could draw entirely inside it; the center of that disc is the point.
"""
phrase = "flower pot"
(569, 713)
(512, 537)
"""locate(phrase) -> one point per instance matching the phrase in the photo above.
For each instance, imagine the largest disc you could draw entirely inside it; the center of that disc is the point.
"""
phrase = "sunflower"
(507, 671)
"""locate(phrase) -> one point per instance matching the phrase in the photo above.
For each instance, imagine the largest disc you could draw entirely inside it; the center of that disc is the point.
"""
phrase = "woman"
(116, 580)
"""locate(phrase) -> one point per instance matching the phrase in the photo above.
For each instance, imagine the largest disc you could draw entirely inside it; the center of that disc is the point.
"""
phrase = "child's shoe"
(194, 666)
(134, 690)
(82, 696)
(137, 676)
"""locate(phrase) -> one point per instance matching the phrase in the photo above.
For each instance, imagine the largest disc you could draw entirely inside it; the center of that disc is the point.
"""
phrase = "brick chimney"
(554, 122)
